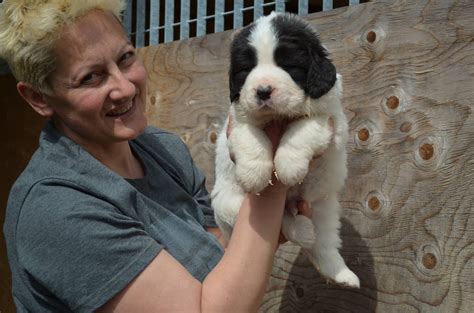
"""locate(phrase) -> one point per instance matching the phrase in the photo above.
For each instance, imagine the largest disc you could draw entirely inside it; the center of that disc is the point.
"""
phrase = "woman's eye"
(127, 56)
(90, 79)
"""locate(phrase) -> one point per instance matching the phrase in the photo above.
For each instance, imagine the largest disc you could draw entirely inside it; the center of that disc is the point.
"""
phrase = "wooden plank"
(408, 221)
(17, 144)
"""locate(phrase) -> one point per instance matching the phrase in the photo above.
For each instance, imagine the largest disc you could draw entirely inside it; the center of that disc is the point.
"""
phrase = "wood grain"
(408, 221)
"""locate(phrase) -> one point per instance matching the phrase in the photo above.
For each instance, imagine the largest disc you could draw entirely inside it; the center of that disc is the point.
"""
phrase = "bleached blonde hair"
(29, 30)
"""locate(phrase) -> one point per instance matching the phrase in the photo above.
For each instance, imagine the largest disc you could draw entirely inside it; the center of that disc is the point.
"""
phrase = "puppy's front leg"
(302, 140)
(252, 152)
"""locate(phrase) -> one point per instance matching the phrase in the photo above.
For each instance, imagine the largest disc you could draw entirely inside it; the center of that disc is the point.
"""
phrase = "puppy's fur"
(279, 70)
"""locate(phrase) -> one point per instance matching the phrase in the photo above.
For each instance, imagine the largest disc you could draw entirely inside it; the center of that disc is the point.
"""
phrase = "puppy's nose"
(264, 93)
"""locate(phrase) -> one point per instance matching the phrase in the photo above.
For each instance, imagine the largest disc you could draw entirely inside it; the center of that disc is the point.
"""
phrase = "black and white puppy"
(279, 70)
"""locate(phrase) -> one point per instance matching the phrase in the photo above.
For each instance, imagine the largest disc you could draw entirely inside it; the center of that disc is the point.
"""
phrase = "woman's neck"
(119, 158)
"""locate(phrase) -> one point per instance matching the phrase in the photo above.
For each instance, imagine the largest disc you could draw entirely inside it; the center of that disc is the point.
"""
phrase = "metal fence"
(150, 22)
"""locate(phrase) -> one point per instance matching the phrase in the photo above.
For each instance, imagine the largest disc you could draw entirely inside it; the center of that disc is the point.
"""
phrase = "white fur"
(304, 138)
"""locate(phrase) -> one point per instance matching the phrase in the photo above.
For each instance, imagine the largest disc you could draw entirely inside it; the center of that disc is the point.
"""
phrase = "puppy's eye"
(293, 67)
(241, 75)
(242, 71)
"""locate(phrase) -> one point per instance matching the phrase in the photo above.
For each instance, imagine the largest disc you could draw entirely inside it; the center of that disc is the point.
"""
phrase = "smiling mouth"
(121, 111)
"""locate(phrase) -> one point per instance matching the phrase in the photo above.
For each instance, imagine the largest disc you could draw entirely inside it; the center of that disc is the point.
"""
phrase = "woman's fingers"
(230, 125)
(274, 131)
(299, 207)
(304, 209)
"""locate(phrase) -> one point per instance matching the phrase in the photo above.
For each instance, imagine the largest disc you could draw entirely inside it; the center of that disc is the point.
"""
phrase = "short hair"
(29, 30)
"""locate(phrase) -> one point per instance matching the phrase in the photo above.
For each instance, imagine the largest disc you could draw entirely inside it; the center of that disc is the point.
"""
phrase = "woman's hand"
(218, 234)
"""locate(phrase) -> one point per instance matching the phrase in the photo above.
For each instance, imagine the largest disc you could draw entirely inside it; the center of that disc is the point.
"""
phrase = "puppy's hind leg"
(324, 254)
(298, 229)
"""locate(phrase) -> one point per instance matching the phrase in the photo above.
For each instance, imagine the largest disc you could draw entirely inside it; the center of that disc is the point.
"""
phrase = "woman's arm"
(239, 280)
(236, 284)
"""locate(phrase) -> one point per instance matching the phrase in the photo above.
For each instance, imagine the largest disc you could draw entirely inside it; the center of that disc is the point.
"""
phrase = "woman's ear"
(35, 99)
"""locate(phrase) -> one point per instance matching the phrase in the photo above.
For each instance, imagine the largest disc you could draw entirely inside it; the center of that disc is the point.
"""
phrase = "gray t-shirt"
(77, 233)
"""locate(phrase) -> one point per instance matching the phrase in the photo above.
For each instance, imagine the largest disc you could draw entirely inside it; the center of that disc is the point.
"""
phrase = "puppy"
(280, 71)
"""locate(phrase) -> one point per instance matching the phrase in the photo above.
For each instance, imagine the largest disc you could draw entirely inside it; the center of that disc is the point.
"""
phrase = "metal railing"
(150, 22)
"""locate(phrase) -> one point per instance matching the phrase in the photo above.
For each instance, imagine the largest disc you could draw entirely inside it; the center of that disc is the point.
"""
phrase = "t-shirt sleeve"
(201, 195)
(80, 248)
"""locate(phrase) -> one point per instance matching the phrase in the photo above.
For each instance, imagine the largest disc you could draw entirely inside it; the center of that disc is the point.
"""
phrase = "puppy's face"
(277, 64)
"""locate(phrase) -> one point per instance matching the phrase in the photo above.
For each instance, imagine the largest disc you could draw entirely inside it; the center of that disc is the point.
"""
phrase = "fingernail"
(294, 211)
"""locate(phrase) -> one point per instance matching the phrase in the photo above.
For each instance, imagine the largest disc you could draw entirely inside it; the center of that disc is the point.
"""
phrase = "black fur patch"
(243, 59)
(300, 53)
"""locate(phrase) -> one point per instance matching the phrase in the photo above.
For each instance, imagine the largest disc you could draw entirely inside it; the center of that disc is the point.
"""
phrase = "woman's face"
(98, 96)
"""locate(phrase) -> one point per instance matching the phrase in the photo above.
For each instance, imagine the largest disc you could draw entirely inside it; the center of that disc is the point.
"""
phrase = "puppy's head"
(277, 64)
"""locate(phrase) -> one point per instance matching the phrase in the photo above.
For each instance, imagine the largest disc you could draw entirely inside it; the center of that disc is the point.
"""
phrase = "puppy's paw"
(347, 278)
(335, 270)
(290, 170)
(253, 176)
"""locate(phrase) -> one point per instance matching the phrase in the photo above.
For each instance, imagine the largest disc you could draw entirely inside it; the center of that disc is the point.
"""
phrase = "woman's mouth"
(121, 110)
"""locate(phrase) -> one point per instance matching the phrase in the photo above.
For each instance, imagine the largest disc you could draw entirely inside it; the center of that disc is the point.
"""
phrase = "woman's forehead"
(92, 39)
(93, 28)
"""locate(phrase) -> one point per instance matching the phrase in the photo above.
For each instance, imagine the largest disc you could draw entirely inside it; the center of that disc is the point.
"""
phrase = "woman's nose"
(122, 87)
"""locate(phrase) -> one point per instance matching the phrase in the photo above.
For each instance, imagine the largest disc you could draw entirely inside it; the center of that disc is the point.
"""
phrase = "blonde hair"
(29, 30)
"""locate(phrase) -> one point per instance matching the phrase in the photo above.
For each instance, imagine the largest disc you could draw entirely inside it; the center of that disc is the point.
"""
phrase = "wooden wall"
(20, 128)
(408, 222)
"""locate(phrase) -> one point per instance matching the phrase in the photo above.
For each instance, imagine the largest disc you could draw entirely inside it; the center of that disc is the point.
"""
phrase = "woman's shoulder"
(158, 135)
(164, 142)
(168, 150)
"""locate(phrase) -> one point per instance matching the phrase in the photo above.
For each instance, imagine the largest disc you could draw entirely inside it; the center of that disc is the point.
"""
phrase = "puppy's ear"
(235, 33)
(321, 73)
(233, 94)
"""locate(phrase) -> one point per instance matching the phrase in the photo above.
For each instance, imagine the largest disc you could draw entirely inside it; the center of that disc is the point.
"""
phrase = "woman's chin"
(130, 132)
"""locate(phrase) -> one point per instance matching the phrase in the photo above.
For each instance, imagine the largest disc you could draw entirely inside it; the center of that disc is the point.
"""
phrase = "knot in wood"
(300, 292)
(185, 138)
(393, 102)
(405, 127)
(364, 134)
(213, 137)
(429, 260)
(374, 203)
(371, 36)
(426, 151)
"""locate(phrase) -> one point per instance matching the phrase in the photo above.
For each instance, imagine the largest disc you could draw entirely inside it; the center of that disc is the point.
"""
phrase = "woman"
(111, 215)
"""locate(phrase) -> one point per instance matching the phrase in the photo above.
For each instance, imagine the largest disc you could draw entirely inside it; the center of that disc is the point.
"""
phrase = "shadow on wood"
(295, 286)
